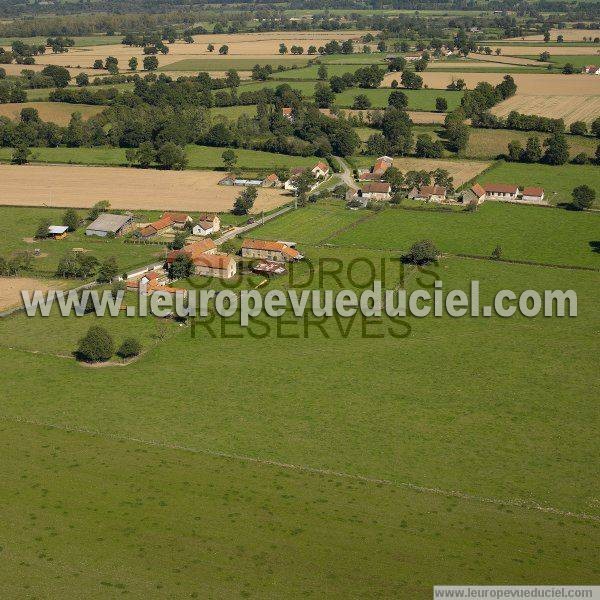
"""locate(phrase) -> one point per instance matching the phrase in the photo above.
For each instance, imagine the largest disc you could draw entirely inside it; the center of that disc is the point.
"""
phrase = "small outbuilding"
(57, 232)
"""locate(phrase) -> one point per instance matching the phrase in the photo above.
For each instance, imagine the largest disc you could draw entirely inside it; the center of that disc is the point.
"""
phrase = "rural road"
(346, 173)
(237, 230)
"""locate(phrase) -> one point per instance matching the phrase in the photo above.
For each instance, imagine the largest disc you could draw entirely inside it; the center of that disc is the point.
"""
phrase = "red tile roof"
(376, 187)
(176, 217)
(381, 165)
(214, 261)
(271, 247)
(501, 188)
(533, 191)
(321, 165)
(477, 190)
(192, 250)
(432, 190)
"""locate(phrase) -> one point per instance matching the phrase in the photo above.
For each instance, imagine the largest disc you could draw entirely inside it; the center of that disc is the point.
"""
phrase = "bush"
(97, 345)
(422, 252)
(583, 197)
(130, 347)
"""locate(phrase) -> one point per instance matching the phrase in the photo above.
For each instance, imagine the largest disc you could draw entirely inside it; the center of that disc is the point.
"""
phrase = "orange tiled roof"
(271, 247)
(477, 190)
(214, 261)
(501, 188)
(192, 250)
(176, 217)
(533, 191)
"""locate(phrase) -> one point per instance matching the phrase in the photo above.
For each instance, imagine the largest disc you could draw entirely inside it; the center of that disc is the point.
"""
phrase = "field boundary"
(514, 502)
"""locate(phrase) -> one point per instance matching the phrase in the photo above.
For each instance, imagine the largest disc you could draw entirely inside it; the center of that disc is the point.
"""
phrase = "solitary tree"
(441, 104)
(245, 201)
(42, 229)
(71, 219)
(423, 252)
(229, 159)
(583, 197)
(97, 345)
(129, 348)
(224, 49)
(322, 72)
(150, 63)
(133, 63)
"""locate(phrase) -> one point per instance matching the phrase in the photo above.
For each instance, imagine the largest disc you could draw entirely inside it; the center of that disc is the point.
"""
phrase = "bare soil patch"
(79, 186)
(461, 170)
(56, 112)
(10, 289)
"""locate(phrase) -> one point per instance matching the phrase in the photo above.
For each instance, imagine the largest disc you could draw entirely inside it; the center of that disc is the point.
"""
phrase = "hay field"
(14, 69)
(527, 83)
(569, 35)
(560, 49)
(424, 117)
(461, 170)
(569, 108)
(10, 289)
(493, 60)
(55, 112)
(149, 189)
(479, 62)
(248, 45)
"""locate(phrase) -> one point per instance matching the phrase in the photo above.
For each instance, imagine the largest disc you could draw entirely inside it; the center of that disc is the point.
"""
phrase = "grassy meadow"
(199, 157)
(524, 232)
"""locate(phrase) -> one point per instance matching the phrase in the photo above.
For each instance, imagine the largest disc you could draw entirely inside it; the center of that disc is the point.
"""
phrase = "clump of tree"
(71, 219)
(129, 348)
(181, 267)
(245, 201)
(423, 252)
(583, 197)
(456, 131)
(15, 264)
(96, 346)
(108, 270)
(77, 265)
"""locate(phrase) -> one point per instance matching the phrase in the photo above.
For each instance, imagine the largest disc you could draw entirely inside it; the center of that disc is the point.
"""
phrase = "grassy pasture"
(577, 61)
(417, 99)
(18, 224)
(558, 181)
(524, 232)
(525, 384)
(199, 157)
(250, 513)
(223, 64)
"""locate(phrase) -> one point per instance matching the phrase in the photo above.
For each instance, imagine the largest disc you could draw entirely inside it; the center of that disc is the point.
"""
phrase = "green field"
(18, 224)
(558, 181)
(417, 99)
(578, 61)
(169, 491)
(223, 64)
(199, 157)
(233, 112)
(524, 232)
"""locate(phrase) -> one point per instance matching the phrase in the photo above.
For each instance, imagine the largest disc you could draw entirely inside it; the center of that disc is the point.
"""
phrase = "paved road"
(237, 230)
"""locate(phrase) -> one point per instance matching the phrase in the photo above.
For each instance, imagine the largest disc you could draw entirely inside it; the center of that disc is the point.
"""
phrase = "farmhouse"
(109, 224)
(377, 171)
(271, 251)
(287, 113)
(222, 266)
(429, 193)
(57, 232)
(179, 220)
(271, 181)
(501, 191)
(163, 225)
(151, 282)
(591, 70)
(320, 170)
(375, 190)
(474, 195)
(193, 250)
(206, 225)
(533, 195)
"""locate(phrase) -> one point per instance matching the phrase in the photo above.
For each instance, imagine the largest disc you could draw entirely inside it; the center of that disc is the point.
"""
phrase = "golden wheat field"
(14, 69)
(493, 60)
(10, 289)
(569, 35)
(527, 83)
(461, 170)
(56, 112)
(78, 186)
(569, 108)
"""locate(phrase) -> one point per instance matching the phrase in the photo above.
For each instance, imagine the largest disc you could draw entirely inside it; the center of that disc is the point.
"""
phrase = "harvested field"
(461, 170)
(569, 35)
(507, 51)
(150, 189)
(569, 108)
(493, 60)
(55, 112)
(14, 69)
(527, 83)
(10, 289)
(475, 61)
(421, 118)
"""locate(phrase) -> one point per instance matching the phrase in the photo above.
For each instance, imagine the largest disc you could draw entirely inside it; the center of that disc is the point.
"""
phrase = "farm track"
(513, 502)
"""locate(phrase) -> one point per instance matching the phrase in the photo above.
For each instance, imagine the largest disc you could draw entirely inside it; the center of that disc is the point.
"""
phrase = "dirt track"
(78, 186)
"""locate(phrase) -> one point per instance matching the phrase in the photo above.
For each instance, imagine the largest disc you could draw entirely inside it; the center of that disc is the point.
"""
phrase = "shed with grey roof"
(109, 224)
